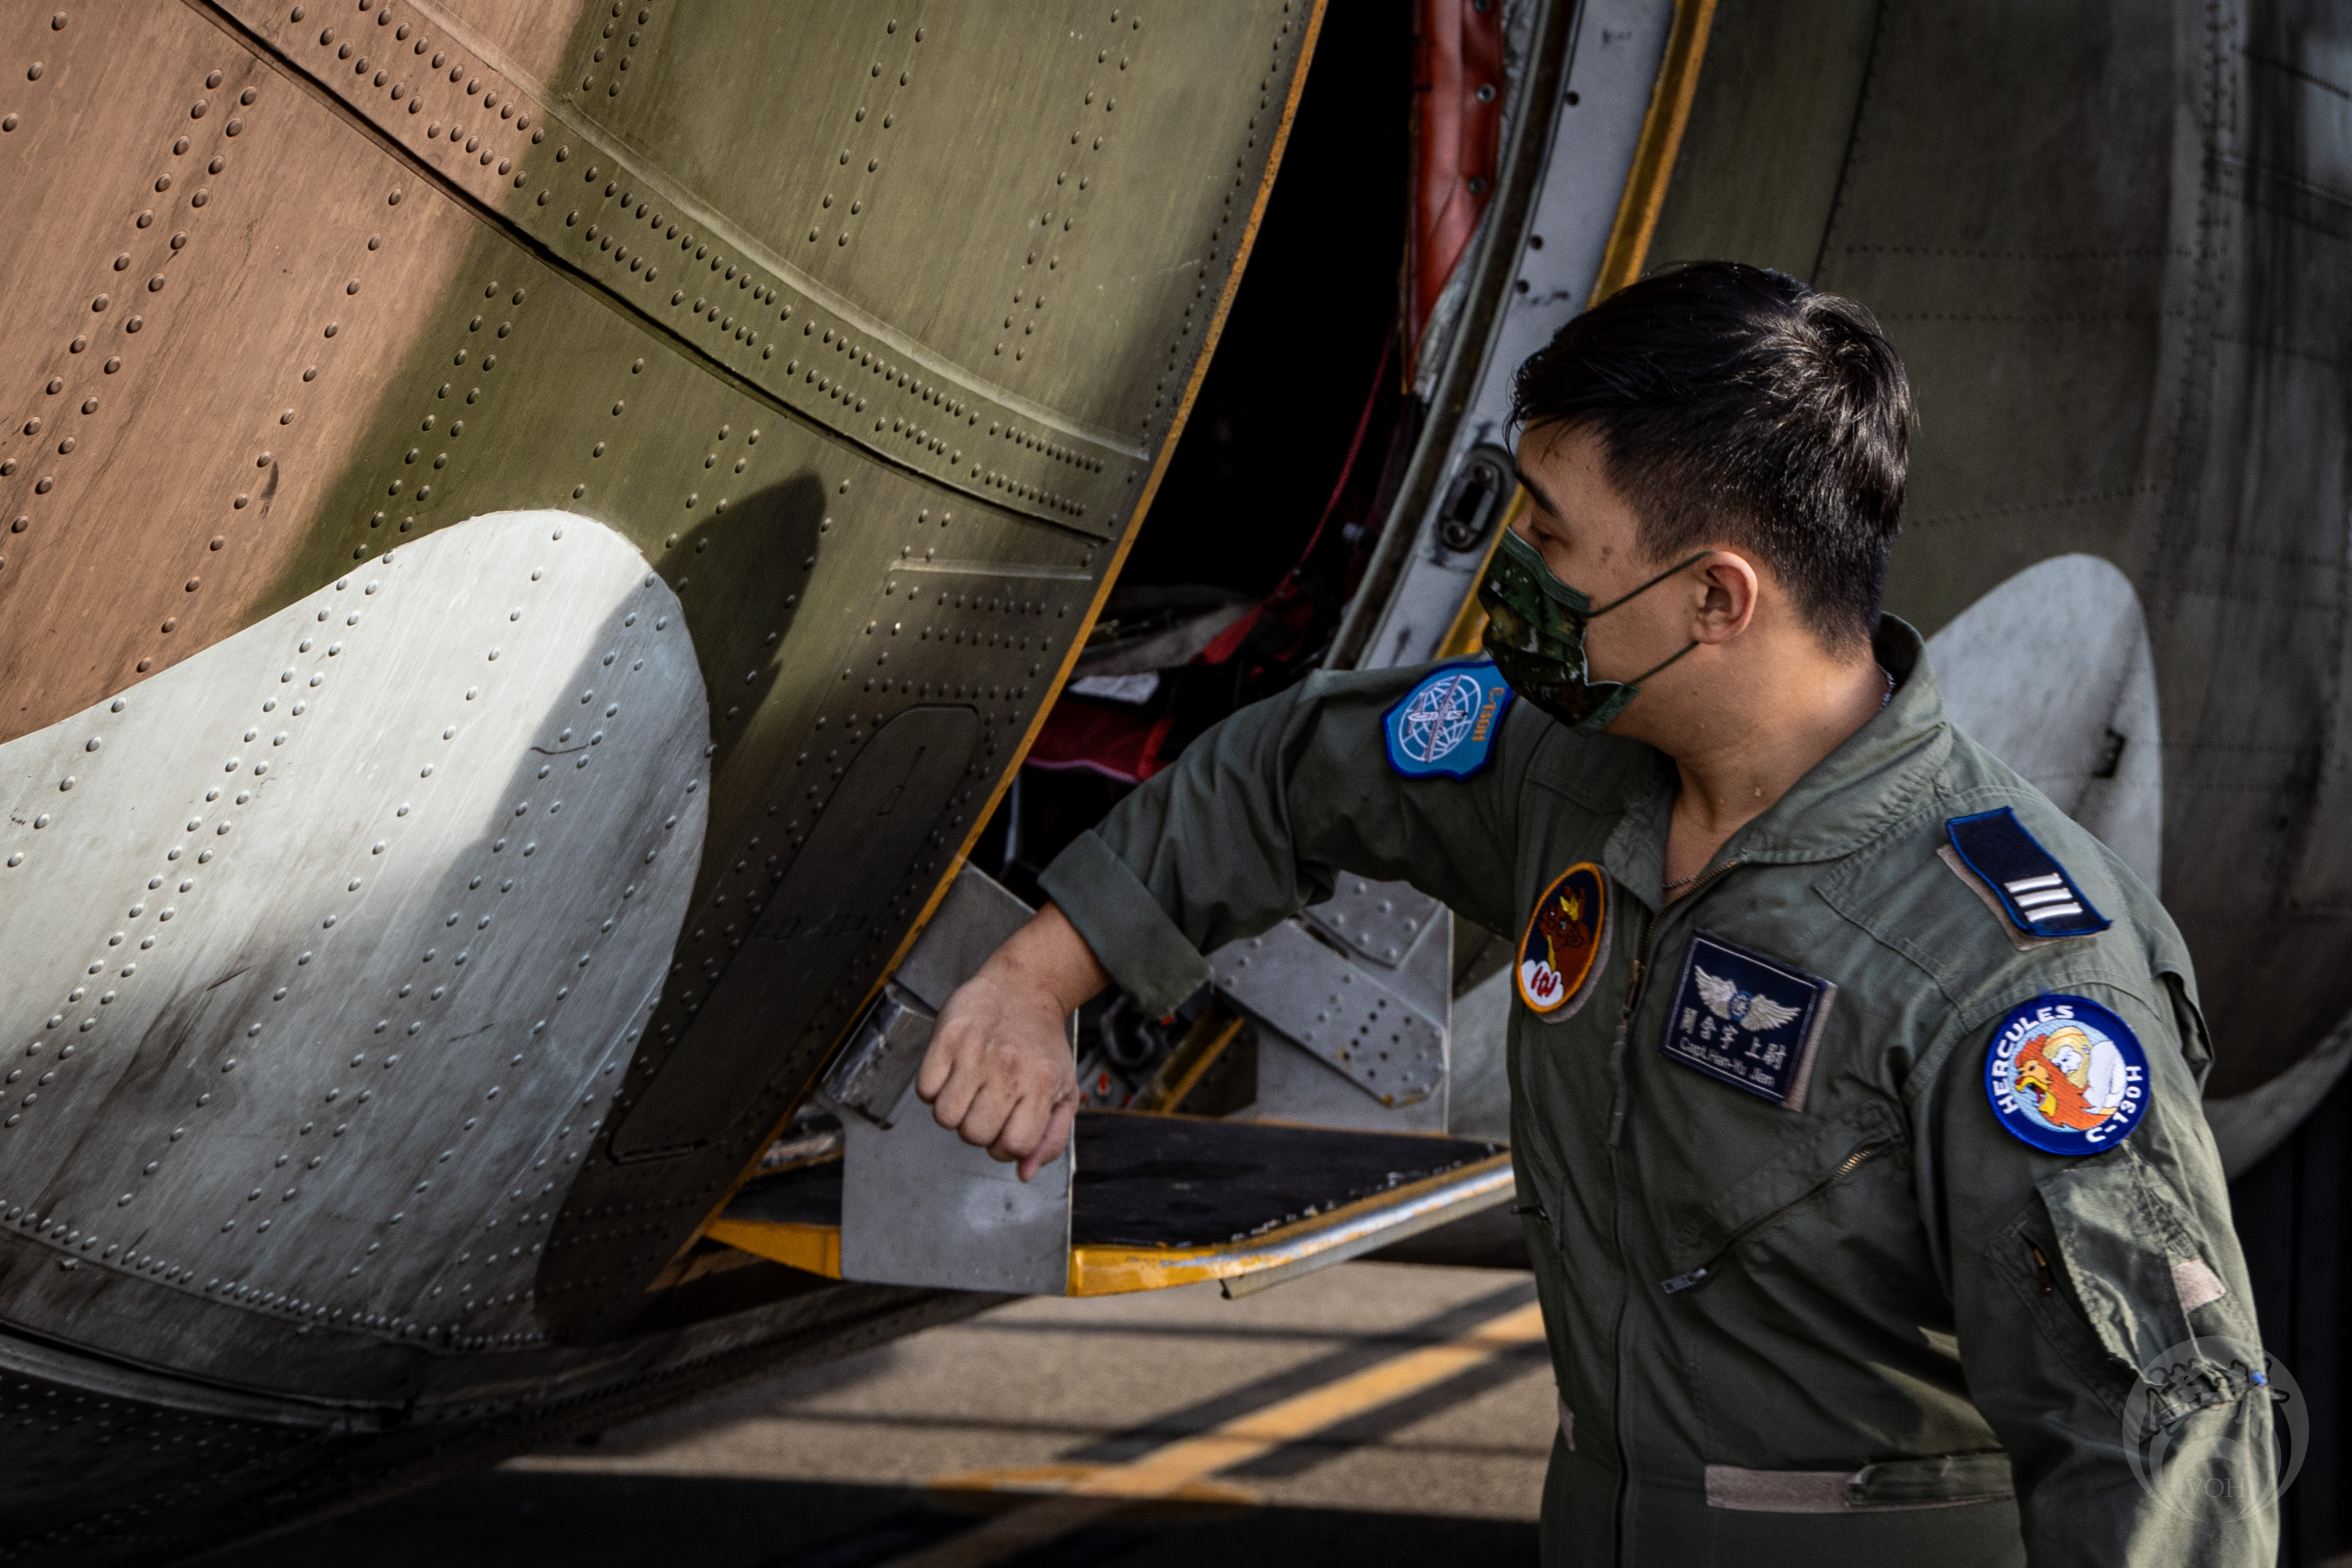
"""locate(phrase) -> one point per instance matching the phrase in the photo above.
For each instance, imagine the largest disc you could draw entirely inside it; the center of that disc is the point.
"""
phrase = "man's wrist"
(1048, 955)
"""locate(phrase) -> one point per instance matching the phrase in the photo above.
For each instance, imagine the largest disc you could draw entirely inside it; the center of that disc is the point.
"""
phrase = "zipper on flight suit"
(1633, 992)
(1617, 1184)
(1846, 1167)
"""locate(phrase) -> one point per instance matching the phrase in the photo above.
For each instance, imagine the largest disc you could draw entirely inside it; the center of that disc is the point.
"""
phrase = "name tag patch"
(1563, 949)
(2067, 1075)
(2035, 892)
(1445, 726)
(1751, 1021)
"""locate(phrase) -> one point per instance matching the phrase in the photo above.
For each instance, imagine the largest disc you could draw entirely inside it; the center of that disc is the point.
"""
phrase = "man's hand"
(999, 1073)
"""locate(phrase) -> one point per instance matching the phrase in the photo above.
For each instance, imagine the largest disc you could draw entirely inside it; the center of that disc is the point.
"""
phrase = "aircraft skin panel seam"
(1041, 467)
(1077, 642)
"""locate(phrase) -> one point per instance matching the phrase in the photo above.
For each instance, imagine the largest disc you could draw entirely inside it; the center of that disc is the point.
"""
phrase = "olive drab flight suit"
(1879, 1327)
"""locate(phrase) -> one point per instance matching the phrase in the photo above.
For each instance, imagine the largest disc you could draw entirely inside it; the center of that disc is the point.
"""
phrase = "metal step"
(1157, 1201)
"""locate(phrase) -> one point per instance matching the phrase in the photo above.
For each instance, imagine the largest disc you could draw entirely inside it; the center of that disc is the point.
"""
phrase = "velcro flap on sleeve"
(2118, 1236)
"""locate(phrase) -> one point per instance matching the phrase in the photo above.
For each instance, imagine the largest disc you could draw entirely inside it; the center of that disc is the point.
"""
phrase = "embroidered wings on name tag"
(1751, 1021)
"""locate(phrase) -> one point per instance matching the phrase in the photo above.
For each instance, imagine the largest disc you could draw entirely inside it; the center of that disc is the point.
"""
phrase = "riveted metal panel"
(80, 1469)
(894, 334)
(1068, 145)
(1338, 1011)
(203, 304)
(1380, 921)
(310, 303)
(389, 880)
(804, 935)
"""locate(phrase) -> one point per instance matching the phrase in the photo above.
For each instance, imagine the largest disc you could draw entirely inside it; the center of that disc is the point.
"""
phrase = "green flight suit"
(1917, 1339)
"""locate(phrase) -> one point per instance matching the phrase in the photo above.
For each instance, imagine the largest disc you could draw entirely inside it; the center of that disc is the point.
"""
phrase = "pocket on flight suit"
(1765, 1198)
(2132, 1272)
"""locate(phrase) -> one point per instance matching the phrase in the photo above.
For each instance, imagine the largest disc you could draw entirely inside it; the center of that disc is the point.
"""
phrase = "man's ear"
(1728, 591)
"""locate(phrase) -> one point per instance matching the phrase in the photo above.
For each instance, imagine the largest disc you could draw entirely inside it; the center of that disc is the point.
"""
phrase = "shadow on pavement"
(504, 1518)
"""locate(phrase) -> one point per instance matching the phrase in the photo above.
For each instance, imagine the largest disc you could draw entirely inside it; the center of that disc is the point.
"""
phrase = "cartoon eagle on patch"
(1757, 1013)
(2071, 1081)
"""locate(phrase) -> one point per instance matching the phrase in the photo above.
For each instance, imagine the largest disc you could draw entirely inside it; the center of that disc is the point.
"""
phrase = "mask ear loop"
(1661, 664)
(1645, 588)
(1636, 683)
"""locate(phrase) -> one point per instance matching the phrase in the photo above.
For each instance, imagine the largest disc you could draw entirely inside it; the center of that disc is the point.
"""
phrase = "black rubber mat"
(1169, 1181)
(1172, 1181)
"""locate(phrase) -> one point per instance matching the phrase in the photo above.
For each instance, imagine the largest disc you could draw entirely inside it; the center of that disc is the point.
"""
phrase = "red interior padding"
(1120, 743)
(1458, 139)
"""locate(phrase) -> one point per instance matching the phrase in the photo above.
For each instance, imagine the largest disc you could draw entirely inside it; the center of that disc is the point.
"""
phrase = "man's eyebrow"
(1543, 497)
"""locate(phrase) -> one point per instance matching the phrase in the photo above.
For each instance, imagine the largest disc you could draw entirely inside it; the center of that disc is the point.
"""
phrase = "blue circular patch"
(2067, 1075)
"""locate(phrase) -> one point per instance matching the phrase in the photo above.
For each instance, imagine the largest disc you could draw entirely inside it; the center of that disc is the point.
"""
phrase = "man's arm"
(999, 1071)
(2106, 1323)
(1253, 822)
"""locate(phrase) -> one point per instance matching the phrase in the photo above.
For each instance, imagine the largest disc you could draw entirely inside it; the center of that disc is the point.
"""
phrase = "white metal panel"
(326, 945)
(1614, 65)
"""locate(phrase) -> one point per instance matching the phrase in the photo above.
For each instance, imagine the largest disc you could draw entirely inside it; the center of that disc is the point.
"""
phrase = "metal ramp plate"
(1173, 1200)
(1336, 1010)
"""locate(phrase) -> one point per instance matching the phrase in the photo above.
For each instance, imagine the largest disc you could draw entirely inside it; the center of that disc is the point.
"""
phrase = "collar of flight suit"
(1874, 779)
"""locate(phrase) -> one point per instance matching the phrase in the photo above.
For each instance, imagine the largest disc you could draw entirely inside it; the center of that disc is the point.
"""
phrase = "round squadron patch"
(2067, 1075)
(1562, 949)
(1446, 726)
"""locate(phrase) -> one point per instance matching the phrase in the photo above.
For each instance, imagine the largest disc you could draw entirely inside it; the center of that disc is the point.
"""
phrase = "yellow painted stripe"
(1468, 635)
(813, 1247)
(1101, 1270)
(1245, 1438)
(1058, 1479)
(1165, 1471)
(1654, 154)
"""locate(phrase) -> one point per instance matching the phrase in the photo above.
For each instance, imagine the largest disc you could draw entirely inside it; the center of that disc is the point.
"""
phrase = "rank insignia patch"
(1445, 726)
(1747, 1020)
(2034, 891)
(1566, 943)
(2067, 1075)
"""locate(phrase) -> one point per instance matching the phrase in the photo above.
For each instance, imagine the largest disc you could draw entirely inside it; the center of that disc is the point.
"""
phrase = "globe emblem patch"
(1447, 723)
(1438, 717)
(2067, 1075)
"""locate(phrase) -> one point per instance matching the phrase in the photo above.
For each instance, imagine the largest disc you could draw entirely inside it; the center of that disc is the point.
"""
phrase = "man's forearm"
(1048, 953)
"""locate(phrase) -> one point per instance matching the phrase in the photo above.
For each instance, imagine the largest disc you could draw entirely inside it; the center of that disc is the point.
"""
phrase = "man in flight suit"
(1854, 1088)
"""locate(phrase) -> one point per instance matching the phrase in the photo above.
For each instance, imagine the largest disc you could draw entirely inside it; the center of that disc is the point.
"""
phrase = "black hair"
(1739, 405)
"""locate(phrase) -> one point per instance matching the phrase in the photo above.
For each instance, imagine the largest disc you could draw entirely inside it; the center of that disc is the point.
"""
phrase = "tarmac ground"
(1372, 1414)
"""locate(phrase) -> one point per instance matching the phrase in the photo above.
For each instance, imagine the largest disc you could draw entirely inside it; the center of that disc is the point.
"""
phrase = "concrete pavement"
(1377, 1412)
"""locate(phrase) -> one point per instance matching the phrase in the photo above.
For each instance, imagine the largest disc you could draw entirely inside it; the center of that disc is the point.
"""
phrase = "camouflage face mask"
(1535, 634)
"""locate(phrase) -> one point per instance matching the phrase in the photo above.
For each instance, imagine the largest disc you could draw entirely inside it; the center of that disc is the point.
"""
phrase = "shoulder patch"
(1566, 943)
(1445, 726)
(2023, 879)
(1751, 1021)
(2067, 1075)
